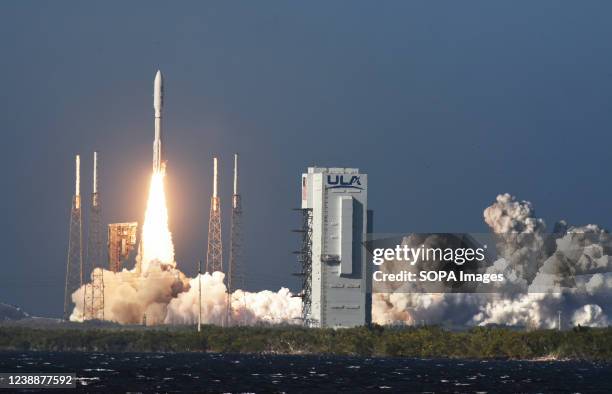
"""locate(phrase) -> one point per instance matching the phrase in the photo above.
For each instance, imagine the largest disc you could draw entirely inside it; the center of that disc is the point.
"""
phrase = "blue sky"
(444, 105)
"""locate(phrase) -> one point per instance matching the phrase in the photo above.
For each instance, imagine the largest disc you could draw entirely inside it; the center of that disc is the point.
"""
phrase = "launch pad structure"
(235, 269)
(304, 258)
(74, 264)
(214, 253)
(122, 238)
(94, 293)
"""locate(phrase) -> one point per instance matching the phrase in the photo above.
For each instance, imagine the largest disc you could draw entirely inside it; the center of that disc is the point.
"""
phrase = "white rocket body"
(158, 104)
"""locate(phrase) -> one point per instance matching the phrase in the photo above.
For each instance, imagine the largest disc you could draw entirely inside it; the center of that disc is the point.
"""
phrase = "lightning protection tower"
(214, 254)
(74, 264)
(94, 292)
(235, 271)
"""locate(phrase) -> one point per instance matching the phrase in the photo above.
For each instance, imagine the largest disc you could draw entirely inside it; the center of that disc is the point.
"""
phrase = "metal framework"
(94, 292)
(121, 242)
(235, 270)
(214, 253)
(74, 264)
(305, 260)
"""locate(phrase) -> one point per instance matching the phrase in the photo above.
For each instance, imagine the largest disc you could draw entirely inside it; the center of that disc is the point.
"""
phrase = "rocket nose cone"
(158, 92)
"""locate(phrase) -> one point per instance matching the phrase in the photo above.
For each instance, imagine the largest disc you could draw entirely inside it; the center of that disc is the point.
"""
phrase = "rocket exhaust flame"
(156, 237)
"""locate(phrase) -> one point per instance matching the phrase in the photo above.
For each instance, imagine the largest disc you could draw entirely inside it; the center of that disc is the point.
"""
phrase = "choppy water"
(268, 373)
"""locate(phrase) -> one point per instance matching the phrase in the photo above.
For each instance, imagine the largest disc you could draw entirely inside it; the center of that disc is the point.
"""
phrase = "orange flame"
(156, 237)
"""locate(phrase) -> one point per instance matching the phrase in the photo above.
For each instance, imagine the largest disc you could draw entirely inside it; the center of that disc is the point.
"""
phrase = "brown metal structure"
(122, 239)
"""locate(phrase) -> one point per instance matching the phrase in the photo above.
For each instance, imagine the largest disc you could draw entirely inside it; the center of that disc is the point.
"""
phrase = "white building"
(340, 221)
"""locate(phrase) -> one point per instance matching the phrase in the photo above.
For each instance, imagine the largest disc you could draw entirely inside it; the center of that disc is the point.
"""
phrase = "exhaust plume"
(156, 237)
(166, 296)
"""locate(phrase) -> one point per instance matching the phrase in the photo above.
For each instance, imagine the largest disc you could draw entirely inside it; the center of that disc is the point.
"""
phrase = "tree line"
(421, 342)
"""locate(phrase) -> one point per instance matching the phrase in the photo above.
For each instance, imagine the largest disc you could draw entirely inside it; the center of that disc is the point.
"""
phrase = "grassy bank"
(580, 343)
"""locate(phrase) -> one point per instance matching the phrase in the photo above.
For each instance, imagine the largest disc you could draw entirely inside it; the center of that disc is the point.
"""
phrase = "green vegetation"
(429, 342)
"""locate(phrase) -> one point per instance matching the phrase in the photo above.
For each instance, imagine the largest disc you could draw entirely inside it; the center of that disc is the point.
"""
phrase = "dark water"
(265, 373)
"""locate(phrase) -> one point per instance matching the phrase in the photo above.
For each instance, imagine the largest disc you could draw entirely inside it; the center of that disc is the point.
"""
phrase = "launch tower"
(214, 254)
(94, 292)
(235, 270)
(74, 264)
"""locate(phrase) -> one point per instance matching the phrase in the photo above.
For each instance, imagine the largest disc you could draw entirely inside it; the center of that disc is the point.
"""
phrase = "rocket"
(158, 104)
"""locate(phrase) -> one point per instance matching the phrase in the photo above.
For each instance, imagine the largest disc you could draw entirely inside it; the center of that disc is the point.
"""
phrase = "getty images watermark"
(411, 256)
(460, 262)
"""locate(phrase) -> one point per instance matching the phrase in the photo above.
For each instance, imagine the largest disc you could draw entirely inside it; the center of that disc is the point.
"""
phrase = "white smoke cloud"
(567, 271)
(130, 295)
(246, 308)
(424, 308)
(166, 296)
(590, 315)
(520, 235)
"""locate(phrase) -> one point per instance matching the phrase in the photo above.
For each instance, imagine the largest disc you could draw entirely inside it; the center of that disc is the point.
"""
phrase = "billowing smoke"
(246, 308)
(567, 272)
(164, 295)
(129, 296)
(520, 235)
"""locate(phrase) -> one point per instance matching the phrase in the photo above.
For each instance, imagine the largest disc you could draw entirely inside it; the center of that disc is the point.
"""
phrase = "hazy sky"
(444, 105)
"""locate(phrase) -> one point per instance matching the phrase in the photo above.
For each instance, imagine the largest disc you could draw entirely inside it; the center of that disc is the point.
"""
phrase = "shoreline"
(543, 359)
